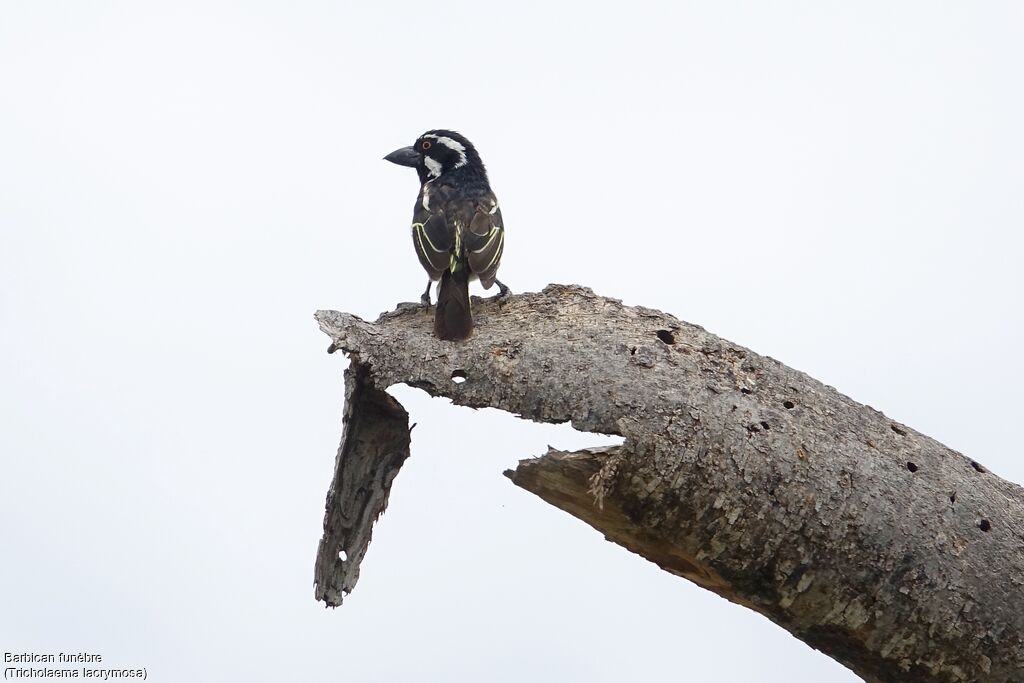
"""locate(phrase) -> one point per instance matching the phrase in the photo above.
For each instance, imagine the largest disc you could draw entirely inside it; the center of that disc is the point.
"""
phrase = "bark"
(374, 444)
(871, 542)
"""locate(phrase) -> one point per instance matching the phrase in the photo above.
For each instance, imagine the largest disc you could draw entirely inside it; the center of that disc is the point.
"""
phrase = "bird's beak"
(407, 156)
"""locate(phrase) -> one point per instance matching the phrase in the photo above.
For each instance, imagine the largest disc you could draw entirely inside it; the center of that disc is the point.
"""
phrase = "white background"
(836, 185)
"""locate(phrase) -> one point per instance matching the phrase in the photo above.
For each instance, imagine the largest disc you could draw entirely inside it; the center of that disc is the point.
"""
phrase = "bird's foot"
(503, 292)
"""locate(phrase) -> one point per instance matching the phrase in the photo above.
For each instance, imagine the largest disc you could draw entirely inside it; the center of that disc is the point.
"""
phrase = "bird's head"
(437, 152)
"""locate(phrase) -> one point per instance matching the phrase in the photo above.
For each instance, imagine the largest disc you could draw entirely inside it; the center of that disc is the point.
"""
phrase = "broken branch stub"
(881, 547)
(374, 444)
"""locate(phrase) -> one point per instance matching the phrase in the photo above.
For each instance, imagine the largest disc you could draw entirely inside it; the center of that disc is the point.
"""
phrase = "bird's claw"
(503, 292)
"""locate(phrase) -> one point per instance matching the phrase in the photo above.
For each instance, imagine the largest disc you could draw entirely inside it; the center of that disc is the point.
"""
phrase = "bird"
(457, 229)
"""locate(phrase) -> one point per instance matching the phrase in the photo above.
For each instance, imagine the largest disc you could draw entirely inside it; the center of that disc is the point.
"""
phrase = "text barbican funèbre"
(48, 658)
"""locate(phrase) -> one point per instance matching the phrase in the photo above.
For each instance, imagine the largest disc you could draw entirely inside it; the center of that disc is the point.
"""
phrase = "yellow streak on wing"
(423, 232)
(417, 229)
(497, 252)
(494, 233)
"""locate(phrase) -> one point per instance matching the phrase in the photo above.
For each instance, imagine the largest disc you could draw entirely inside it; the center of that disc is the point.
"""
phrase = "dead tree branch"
(893, 554)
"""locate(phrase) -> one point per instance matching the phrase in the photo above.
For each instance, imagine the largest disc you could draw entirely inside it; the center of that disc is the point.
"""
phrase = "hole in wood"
(977, 467)
(788, 405)
(912, 467)
(744, 390)
(459, 376)
(952, 497)
(766, 426)
(984, 525)
(666, 336)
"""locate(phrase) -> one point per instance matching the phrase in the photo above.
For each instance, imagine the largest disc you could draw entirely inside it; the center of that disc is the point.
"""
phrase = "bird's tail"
(453, 318)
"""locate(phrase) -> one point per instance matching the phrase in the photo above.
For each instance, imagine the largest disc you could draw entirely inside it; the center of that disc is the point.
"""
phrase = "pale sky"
(836, 185)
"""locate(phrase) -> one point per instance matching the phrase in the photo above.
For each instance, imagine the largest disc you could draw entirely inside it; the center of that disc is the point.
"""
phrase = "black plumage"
(457, 229)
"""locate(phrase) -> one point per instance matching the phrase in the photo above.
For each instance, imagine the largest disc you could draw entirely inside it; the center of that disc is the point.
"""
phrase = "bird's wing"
(432, 236)
(484, 240)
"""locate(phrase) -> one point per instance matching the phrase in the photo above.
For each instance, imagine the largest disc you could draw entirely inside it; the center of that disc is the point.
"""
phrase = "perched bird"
(456, 226)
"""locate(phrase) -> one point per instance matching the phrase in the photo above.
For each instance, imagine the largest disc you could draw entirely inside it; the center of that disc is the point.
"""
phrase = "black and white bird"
(456, 226)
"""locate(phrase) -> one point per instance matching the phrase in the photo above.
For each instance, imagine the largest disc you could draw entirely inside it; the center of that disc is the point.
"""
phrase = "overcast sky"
(837, 185)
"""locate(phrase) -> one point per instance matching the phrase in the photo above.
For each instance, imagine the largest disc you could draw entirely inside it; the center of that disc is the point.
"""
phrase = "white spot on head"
(452, 144)
(433, 166)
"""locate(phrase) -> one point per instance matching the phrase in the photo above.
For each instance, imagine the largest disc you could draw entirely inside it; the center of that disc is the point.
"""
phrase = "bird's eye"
(426, 144)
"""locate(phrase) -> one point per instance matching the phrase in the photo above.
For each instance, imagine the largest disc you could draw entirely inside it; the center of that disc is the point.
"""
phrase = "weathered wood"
(374, 444)
(895, 555)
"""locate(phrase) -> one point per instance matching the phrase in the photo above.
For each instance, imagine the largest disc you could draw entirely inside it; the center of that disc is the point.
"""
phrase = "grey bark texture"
(884, 549)
(374, 444)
